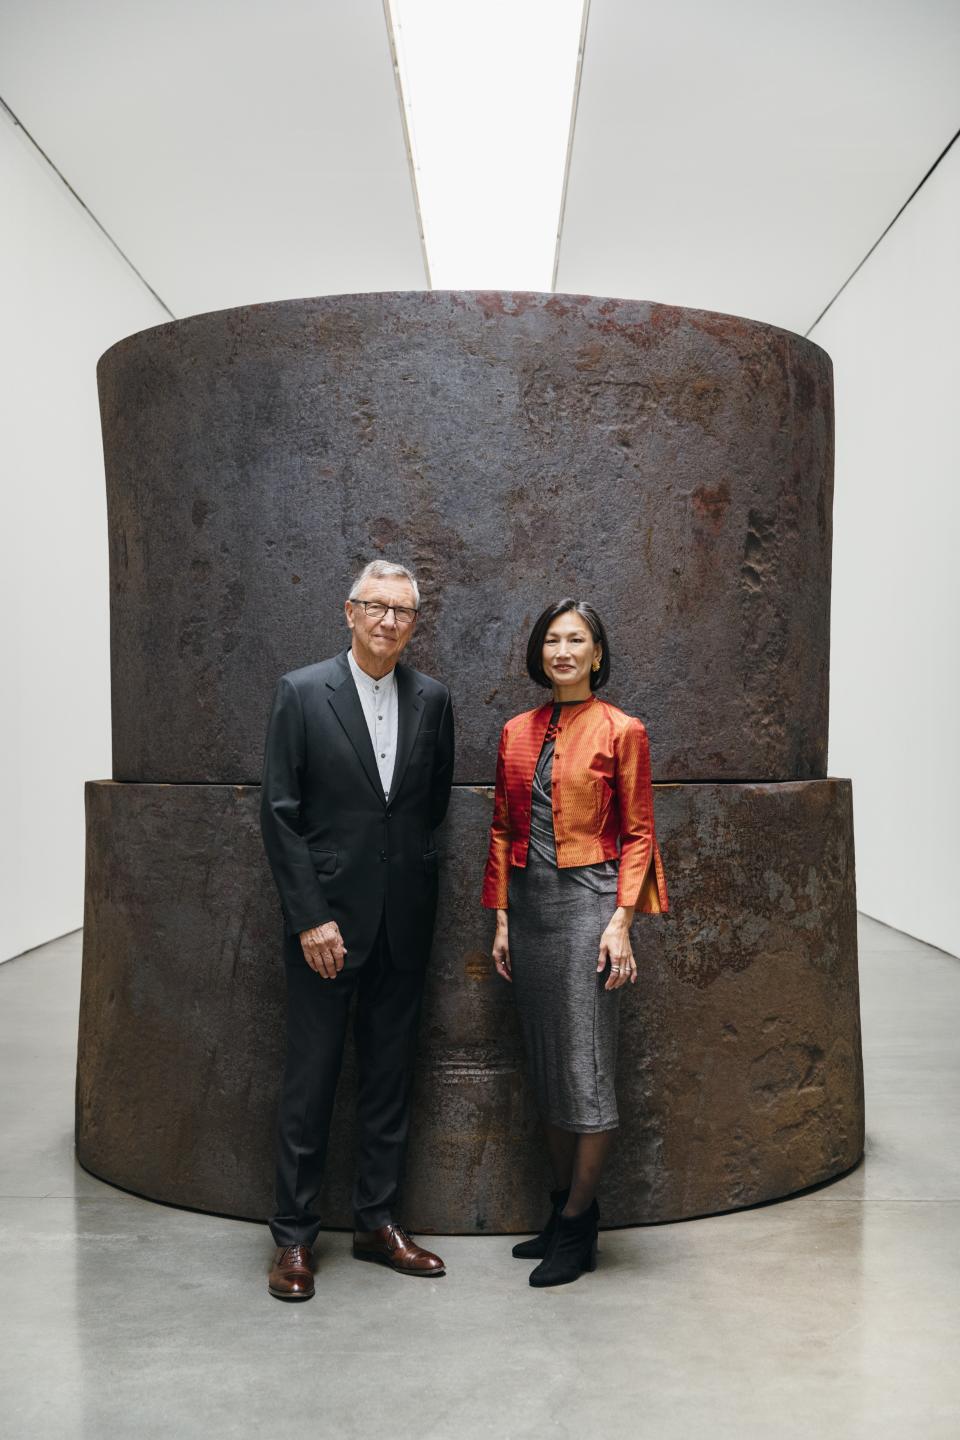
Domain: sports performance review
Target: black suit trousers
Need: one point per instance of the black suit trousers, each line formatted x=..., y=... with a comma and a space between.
x=385, y=1032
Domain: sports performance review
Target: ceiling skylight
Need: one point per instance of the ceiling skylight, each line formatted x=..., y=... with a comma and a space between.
x=488, y=90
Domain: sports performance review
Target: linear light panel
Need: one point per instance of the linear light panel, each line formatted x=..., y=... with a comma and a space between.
x=488, y=90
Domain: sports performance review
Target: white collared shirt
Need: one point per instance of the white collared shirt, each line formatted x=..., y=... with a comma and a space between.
x=379, y=701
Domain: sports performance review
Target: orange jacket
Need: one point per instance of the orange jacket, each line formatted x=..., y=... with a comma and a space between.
x=602, y=800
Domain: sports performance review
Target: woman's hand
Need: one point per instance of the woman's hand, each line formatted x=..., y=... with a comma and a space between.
x=616, y=949
x=501, y=947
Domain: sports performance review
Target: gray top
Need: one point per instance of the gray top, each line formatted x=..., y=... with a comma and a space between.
x=600, y=877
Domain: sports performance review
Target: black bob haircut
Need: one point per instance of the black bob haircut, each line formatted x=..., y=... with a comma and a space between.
x=539, y=633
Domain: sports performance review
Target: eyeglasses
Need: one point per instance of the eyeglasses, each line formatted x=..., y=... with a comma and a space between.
x=376, y=610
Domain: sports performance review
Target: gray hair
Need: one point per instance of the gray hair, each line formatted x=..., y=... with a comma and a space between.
x=380, y=570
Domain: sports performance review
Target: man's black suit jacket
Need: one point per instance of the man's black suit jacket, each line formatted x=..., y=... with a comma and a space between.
x=337, y=849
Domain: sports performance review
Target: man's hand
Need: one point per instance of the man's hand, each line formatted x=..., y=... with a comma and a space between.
x=501, y=947
x=323, y=949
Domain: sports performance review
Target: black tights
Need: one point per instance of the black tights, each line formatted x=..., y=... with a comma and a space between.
x=578, y=1160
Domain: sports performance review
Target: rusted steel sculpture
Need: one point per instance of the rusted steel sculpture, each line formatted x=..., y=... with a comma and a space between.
x=675, y=466
x=672, y=466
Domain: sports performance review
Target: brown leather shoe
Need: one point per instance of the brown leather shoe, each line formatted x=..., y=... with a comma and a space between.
x=292, y=1275
x=391, y=1245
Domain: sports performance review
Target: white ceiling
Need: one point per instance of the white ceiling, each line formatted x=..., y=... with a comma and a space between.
x=744, y=156
x=740, y=157
x=235, y=152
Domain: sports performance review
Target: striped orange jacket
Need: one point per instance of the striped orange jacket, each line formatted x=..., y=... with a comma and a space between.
x=602, y=800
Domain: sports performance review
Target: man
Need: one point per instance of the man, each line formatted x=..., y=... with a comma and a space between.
x=357, y=774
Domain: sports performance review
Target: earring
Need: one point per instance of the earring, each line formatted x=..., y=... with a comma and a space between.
x=596, y=665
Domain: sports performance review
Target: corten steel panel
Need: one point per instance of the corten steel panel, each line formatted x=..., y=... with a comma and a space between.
x=673, y=466
x=740, y=1075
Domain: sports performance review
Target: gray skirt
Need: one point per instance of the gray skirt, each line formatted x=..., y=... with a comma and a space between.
x=568, y=1020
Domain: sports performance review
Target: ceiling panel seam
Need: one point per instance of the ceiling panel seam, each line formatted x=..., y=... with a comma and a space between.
x=573, y=125
x=84, y=206
x=915, y=191
x=407, y=138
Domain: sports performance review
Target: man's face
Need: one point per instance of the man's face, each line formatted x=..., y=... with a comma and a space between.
x=378, y=640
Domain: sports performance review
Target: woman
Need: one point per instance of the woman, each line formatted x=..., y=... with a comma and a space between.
x=573, y=855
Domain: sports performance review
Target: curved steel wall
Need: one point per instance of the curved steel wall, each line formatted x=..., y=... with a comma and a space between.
x=739, y=1075
x=672, y=466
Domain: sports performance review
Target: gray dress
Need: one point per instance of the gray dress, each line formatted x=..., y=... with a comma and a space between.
x=569, y=1021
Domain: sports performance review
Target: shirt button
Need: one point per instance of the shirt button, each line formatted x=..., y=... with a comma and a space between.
x=382, y=755
x=379, y=717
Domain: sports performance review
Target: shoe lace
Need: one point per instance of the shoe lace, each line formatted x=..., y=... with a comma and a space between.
x=296, y=1254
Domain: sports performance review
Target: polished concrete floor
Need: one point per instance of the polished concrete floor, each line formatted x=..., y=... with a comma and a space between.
x=832, y=1314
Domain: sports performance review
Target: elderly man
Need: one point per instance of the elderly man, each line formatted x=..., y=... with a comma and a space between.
x=357, y=774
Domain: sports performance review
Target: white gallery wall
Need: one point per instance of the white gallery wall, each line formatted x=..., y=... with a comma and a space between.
x=744, y=156
x=895, y=631
x=237, y=153
x=66, y=296
x=265, y=157
x=234, y=157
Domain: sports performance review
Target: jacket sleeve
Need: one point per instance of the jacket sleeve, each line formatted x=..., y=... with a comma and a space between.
x=496, y=877
x=301, y=897
x=635, y=799
x=442, y=766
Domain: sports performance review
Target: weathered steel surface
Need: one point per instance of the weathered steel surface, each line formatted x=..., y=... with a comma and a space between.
x=673, y=466
x=740, y=1076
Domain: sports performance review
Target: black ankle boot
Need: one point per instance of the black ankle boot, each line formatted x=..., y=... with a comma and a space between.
x=536, y=1248
x=572, y=1249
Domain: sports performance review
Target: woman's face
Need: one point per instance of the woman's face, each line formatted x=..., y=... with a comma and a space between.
x=569, y=651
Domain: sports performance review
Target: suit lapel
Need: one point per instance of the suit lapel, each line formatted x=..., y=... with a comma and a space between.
x=409, y=718
x=345, y=703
